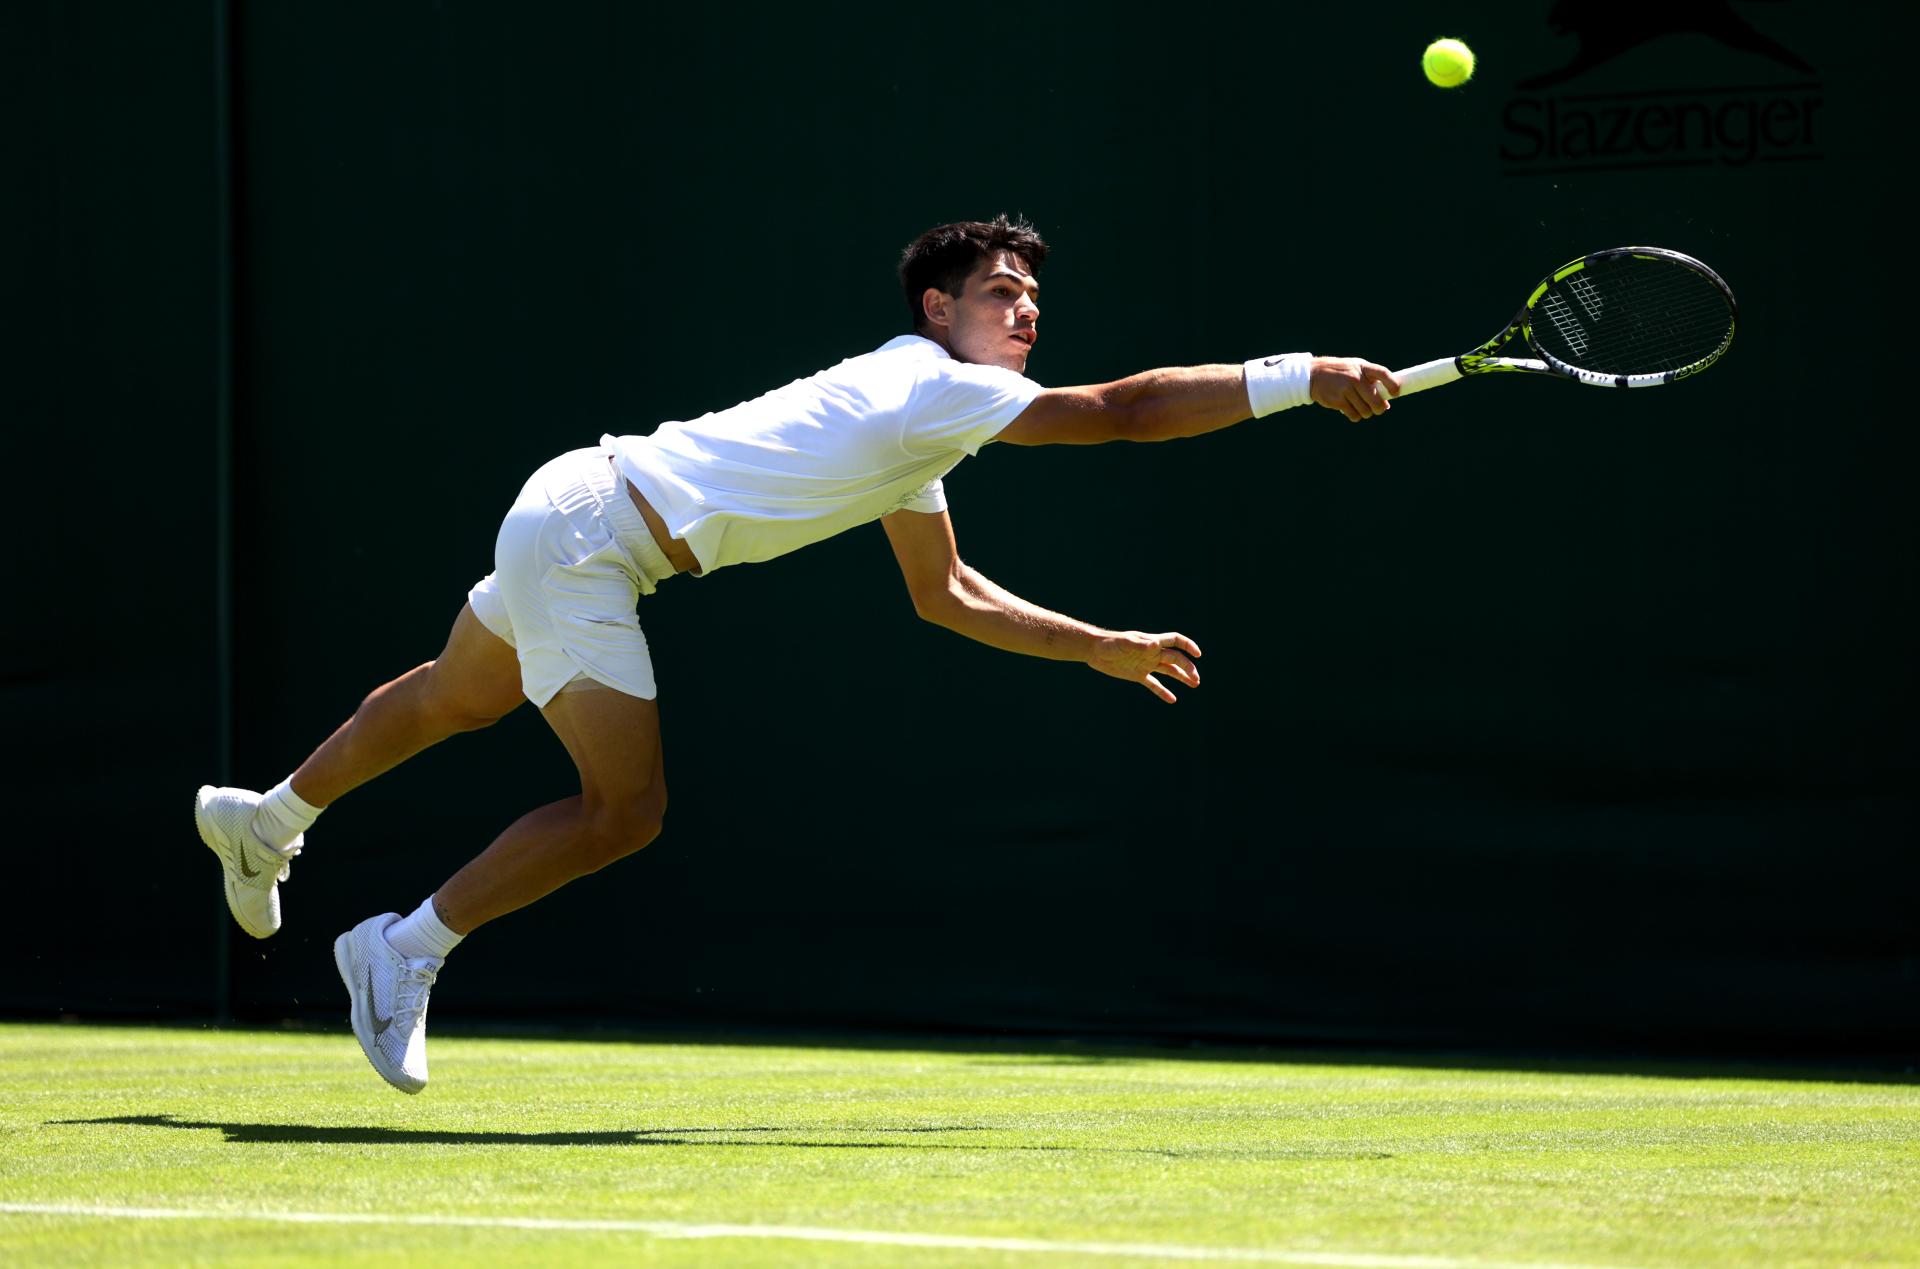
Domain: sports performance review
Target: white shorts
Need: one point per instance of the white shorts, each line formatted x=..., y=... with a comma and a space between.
x=571, y=562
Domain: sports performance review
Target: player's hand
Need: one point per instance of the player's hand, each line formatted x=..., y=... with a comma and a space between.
x=1137, y=657
x=1347, y=384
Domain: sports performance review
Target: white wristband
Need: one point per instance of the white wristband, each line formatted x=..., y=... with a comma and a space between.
x=1279, y=383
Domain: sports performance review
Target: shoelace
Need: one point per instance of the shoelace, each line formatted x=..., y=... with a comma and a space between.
x=410, y=989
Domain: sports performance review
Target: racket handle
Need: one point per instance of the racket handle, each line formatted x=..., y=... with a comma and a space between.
x=1428, y=374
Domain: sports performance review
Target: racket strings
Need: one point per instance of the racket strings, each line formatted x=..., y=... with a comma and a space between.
x=1634, y=317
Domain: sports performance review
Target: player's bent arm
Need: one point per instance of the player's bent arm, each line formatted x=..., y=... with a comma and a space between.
x=948, y=592
x=1163, y=405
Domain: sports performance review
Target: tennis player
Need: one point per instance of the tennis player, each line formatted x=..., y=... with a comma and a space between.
x=555, y=623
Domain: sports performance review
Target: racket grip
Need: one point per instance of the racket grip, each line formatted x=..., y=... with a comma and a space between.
x=1428, y=374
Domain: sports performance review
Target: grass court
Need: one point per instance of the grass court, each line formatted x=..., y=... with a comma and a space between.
x=138, y=1145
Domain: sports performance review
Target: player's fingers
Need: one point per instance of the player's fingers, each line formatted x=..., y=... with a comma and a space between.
x=1174, y=639
x=1181, y=668
x=1333, y=395
x=1379, y=380
x=1158, y=688
x=1359, y=398
x=1376, y=394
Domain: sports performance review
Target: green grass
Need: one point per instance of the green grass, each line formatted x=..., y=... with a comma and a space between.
x=1075, y=1144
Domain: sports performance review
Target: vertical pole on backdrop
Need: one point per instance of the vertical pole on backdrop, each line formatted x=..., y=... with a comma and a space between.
x=223, y=453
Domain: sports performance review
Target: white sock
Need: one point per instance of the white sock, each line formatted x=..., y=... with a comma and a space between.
x=422, y=934
x=283, y=816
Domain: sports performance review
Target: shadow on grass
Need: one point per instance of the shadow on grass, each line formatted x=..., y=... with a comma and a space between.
x=1013, y=1050
x=329, y=1135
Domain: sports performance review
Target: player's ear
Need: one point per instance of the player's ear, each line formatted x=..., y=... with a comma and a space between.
x=937, y=306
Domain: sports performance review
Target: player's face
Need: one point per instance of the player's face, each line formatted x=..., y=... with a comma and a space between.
x=994, y=321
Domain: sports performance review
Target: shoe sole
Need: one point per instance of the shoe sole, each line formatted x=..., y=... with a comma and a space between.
x=205, y=826
x=359, y=1014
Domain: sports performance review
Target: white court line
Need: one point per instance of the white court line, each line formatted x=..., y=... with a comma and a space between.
x=802, y=1233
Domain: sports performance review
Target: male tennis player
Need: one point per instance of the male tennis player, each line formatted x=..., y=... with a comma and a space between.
x=595, y=529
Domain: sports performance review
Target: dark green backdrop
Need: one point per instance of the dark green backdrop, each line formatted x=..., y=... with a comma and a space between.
x=1533, y=715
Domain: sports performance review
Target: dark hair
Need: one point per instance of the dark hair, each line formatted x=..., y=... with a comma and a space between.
x=943, y=256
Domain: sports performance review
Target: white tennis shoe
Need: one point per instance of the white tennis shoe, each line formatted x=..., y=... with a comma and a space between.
x=254, y=870
x=388, y=1001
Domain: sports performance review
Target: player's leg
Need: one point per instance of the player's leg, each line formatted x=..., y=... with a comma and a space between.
x=572, y=569
x=472, y=683
x=614, y=740
x=390, y=963
x=573, y=557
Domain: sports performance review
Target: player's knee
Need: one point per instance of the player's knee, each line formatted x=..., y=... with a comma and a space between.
x=617, y=827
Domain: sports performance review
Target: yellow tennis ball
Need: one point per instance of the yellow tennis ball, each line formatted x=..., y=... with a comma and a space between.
x=1448, y=63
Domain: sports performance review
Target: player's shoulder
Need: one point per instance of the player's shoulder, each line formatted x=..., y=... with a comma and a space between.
x=900, y=357
x=903, y=365
x=920, y=355
x=916, y=373
x=901, y=354
x=933, y=364
x=880, y=382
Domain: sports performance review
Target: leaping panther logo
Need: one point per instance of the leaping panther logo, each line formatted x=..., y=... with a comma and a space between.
x=1608, y=28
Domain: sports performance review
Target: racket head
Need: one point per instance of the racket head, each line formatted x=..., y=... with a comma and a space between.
x=1631, y=317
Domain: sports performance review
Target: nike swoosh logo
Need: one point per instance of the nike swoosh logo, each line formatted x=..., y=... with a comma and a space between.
x=379, y=1024
x=1274, y=361
x=245, y=869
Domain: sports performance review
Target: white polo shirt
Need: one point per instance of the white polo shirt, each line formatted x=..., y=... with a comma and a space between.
x=869, y=436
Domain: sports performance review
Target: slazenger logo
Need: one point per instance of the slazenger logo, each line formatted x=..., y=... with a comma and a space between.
x=1693, y=126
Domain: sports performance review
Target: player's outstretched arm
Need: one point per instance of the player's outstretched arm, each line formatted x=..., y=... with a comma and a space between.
x=1162, y=405
x=948, y=592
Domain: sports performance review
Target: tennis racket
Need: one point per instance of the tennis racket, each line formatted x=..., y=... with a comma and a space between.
x=1631, y=317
